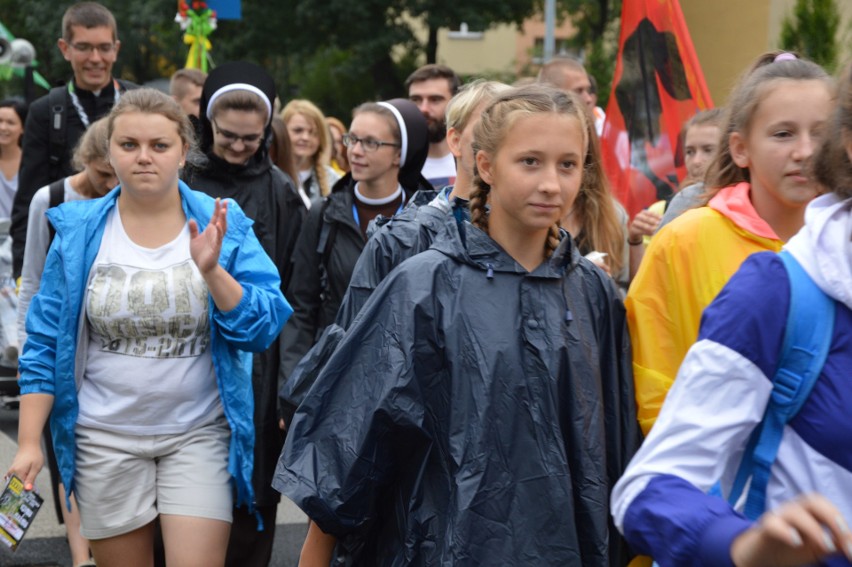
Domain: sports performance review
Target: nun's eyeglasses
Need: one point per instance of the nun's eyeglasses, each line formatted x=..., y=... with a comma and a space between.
x=369, y=144
x=231, y=138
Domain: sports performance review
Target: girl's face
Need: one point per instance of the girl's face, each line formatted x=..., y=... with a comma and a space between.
x=11, y=127
x=785, y=131
x=146, y=152
x=700, y=144
x=304, y=137
x=237, y=134
x=536, y=173
x=101, y=177
x=371, y=166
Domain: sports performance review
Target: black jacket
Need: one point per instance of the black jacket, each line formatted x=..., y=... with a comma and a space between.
x=428, y=216
x=474, y=414
x=268, y=197
x=36, y=171
x=320, y=278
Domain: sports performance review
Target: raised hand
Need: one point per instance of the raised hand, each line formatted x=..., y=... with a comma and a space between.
x=206, y=246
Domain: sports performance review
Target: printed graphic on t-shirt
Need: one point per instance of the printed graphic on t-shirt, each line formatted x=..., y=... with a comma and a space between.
x=149, y=313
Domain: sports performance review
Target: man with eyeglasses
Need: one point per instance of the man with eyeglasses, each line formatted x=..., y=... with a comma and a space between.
x=57, y=121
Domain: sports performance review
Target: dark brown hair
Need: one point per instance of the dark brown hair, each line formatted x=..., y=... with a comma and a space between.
x=88, y=15
x=435, y=71
x=243, y=100
x=21, y=109
x=281, y=150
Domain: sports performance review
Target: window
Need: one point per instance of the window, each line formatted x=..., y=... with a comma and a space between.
x=464, y=33
x=560, y=49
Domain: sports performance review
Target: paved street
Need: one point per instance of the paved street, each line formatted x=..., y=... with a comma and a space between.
x=44, y=544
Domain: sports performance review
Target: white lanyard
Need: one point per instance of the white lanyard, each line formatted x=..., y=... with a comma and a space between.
x=75, y=100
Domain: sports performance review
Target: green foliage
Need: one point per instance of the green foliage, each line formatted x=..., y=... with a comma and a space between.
x=812, y=31
x=591, y=18
x=338, y=53
x=597, y=23
x=151, y=45
x=600, y=63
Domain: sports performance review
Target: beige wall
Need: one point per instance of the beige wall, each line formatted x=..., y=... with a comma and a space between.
x=534, y=28
x=501, y=48
x=495, y=51
x=729, y=34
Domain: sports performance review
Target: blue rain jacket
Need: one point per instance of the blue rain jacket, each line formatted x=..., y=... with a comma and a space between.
x=53, y=364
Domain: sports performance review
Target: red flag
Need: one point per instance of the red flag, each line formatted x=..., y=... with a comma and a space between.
x=658, y=85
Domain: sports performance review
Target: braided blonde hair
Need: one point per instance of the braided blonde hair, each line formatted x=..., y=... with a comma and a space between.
x=496, y=122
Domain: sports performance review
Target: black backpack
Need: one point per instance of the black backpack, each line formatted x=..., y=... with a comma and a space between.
x=57, y=197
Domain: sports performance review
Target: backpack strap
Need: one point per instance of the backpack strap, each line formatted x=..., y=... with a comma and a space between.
x=58, y=131
x=325, y=242
x=57, y=197
x=807, y=339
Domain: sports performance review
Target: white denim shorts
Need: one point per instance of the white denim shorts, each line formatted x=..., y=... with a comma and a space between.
x=123, y=482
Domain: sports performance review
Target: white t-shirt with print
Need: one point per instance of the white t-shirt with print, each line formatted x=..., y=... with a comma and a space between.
x=149, y=369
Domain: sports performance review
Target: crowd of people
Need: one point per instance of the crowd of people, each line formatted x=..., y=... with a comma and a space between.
x=433, y=328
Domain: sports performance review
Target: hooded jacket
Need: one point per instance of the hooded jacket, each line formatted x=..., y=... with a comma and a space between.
x=53, y=362
x=684, y=268
x=474, y=414
x=720, y=395
x=268, y=196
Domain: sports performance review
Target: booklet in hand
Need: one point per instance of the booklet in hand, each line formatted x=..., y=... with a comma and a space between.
x=18, y=508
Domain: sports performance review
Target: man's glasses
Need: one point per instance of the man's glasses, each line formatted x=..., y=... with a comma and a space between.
x=369, y=144
x=88, y=48
x=231, y=138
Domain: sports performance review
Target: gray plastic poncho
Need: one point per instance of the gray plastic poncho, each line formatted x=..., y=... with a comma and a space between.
x=474, y=414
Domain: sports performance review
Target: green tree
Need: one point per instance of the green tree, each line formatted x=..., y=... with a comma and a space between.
x=596, y=22
x=812, y=31
x=478, y=14
x=151, y=43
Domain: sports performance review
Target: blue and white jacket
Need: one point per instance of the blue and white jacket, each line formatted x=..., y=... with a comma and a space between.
x=661, y=503
x=53, y=364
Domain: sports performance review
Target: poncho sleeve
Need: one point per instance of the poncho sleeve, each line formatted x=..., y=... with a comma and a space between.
x=365, y=412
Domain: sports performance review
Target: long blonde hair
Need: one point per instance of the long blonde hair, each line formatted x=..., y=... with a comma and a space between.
x=322, y=158
x=596, y=208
